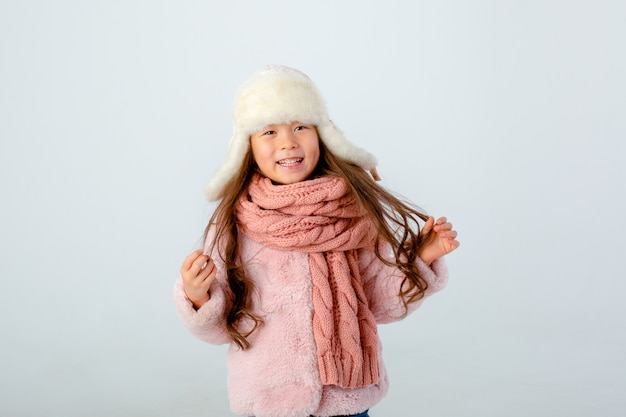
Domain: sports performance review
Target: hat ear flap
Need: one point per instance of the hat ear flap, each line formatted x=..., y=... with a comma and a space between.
x=237, y=148
x=335, y=140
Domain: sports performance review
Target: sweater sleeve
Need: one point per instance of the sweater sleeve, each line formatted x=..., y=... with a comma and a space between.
x=381, y=284
x=208, y=323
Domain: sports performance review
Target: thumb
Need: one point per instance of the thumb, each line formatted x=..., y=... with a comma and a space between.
x=428, y=226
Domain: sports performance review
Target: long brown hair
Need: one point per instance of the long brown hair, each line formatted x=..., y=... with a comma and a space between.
x=397, y=222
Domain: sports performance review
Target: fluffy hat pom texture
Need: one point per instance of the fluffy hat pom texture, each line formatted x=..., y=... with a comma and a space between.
x=276, y=95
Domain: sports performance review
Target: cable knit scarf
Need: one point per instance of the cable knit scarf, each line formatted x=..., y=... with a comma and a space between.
x=320, y=218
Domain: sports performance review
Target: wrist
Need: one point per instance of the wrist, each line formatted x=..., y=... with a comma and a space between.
x=198, y=302
x=427, y=261
x=424, y=257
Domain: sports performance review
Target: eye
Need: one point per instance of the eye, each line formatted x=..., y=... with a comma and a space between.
x=301, y=127
x=269, y=132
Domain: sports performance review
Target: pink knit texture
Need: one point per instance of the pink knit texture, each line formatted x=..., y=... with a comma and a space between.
x=320, y=218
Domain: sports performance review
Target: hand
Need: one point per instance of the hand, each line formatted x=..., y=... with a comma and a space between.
x=440, y=239
x=198, y=272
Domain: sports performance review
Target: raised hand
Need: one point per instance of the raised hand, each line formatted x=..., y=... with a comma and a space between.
x=440, y=239
x=198, y=272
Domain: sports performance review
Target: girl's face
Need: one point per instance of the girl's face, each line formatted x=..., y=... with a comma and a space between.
x=286, y=153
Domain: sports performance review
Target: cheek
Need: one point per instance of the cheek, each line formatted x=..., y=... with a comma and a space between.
x=316, y=157
x=314, y=151
x=259, y=152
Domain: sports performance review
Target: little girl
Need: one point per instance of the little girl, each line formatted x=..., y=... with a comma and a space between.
x=304, y=255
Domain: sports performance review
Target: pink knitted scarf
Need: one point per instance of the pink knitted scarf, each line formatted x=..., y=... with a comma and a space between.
x=320, y=218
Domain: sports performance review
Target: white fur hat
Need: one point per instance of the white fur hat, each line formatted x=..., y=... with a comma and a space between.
x=276, y=95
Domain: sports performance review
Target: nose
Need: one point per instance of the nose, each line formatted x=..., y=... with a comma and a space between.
x=288, y=140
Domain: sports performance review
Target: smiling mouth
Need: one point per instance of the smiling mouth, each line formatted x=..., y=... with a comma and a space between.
x=289, y=162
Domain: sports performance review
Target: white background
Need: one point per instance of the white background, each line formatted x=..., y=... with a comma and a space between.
x=506, y=116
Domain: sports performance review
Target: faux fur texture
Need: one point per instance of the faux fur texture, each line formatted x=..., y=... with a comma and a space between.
x=278, y=375
x=275, y=95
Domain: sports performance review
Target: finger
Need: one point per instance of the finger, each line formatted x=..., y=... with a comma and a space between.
x=200, y=263
x=449, y=235
x=207, y=271
x=428, y=226
x=189, y=260
x=442, y=227
x=441, y=220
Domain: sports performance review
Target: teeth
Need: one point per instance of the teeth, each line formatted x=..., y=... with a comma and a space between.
x=289, y=162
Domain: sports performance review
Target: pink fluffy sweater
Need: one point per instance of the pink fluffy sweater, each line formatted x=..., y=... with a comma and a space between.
x=278, y=375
